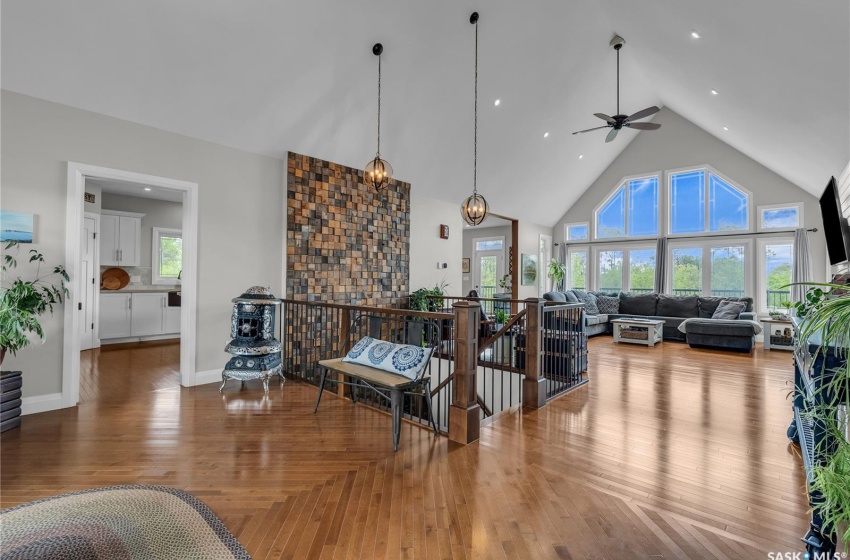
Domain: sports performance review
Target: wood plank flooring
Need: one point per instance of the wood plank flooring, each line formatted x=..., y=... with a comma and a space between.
x=668, y=452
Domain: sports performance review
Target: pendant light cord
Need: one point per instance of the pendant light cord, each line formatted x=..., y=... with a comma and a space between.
x=378, y=154
x=618, y=86
x=475, y=148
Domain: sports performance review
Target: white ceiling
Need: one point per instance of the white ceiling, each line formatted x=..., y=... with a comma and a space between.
x=269, y=76
x=127, y=188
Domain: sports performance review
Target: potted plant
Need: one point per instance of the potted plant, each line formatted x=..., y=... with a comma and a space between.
x=505, y=283
x=557, y=272
x=23, y=301
x=500, y=318
x=826, y=312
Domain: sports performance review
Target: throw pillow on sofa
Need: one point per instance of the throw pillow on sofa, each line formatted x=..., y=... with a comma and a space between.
x=708, y=304
x=729, y=310
x=608, y=305
x=589, y=301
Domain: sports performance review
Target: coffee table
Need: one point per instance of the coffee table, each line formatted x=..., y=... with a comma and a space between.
x=637, y=331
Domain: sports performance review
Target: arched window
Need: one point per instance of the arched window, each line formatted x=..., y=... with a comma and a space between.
x=631, y=210
x=701, y=201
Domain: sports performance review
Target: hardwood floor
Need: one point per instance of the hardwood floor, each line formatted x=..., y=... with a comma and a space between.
x=123, y=371
x=668, y=452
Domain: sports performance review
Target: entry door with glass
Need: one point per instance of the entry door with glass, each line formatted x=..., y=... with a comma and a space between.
x=488, y=265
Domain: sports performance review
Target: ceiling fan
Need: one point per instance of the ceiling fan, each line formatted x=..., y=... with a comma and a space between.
x=619, y=121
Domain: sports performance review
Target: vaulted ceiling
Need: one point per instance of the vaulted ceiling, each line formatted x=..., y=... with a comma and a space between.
x=270, y=76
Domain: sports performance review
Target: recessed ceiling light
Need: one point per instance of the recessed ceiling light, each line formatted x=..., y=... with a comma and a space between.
x=725, y=128
x=147, y=188
x=545, y=135
x=714, y=92
x=695, y=35
x=580, y=156
x=497, y=102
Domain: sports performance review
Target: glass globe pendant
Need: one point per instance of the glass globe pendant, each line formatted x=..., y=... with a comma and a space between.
x=474, y=209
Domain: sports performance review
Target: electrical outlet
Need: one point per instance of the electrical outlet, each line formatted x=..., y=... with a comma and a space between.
x=135, y=279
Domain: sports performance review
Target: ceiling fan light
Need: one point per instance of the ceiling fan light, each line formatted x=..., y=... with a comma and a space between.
x=474, y=209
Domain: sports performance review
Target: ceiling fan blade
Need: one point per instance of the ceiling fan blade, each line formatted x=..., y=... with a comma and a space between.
x=612, y=135
x=589, y=129
x=604, y=117
x=643, y=114
x=643, y=125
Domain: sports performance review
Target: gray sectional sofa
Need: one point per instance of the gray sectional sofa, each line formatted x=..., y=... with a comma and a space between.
x=702, y=331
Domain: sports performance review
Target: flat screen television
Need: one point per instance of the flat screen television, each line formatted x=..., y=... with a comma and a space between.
x=835, y=225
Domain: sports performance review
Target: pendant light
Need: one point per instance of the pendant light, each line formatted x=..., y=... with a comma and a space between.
x=378, y=171
x=474, y=209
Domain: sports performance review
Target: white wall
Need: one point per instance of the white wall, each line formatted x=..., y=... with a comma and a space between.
x=241, y=198
x=426, y=247
x=680, y=143
x=529, y=243
x=157, y=213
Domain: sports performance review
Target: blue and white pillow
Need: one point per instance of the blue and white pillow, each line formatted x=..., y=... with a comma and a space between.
x=401, y=359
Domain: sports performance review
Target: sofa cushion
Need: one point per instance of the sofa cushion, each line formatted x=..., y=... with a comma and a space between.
x=555, y=296
x=729, y=310
x=591, y=320
x=571, y=297
x=638, y=304
x=589, y=301
x=608, y=304
x=707, y=305
x=677, y=306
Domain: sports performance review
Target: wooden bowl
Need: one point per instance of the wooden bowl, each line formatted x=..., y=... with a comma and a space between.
x=114, y=278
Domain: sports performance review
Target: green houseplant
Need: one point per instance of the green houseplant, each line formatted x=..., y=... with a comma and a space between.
x=828, y=314
x=428, y=299
x=557, y=272
x=23, y=301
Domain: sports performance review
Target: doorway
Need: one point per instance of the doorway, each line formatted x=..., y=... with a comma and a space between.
x=79, y=288
x=89, y=249
x=488, y=265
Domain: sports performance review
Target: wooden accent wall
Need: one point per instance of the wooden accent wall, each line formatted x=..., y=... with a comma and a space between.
x=345, y=242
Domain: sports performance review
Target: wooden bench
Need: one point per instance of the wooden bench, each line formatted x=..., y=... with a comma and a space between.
x=379, y=380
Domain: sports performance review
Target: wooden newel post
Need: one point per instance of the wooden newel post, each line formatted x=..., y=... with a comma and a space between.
x=534, y=384
x=464, y=413
x=344, y=345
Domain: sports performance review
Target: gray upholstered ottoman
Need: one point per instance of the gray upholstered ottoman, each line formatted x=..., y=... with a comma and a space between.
x=720, y=333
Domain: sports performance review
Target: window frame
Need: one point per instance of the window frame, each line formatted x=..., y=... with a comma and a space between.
x=157, y=233
x=668, y=192
x=761, y=300
x=760, y=216
x=706, y=245
x=626, y=249
x=588, y=274
x=623, y=184
x=568, y=225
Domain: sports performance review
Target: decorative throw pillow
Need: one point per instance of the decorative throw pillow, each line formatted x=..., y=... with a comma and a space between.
x=608, y=305
x=729, y=310
x=589, y=301
x=401, y=359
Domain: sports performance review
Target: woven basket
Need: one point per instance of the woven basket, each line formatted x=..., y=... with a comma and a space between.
x=635, y=335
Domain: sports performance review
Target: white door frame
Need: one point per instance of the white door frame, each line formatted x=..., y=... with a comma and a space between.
x=96, y=267
x=476, y=271
x=77, y=175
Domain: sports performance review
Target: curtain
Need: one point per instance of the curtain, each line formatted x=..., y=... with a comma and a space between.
x=562, y=258
x=802, y=269
x=661, y=265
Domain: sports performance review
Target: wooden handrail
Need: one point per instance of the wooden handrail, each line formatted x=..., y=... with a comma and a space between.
x=489, y=342
x=367, y=309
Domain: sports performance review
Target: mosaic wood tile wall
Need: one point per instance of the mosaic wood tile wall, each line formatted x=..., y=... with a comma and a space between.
x=345, y=242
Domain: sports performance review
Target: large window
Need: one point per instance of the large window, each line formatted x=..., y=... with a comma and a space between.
x=630, y=211
x=167, y=256
x=610, y=271
x=711, y=269
x=642, y=270
x=701, y=201
x=629, y=269
x=577, y=268
x=776, y=256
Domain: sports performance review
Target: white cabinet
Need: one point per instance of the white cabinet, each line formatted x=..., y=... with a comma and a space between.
x=120, y=238
x=114, y=316
x=139, y=314
x=148, y=317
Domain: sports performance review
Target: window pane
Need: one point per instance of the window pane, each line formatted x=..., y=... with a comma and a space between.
x=487, y=274
x=727, y=206
x=778, y=261
x=727, y=271
x=610, y=271
x=611, y=218
x=780, y=218
x=577, y=232
x=490, y=245
x=643, y=207
x=642, y=270
x=687, y=202
x=687, y=271
x=578, y=270
x=170, y=256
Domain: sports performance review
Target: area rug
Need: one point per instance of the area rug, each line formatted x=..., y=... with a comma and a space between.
x=117, y=523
